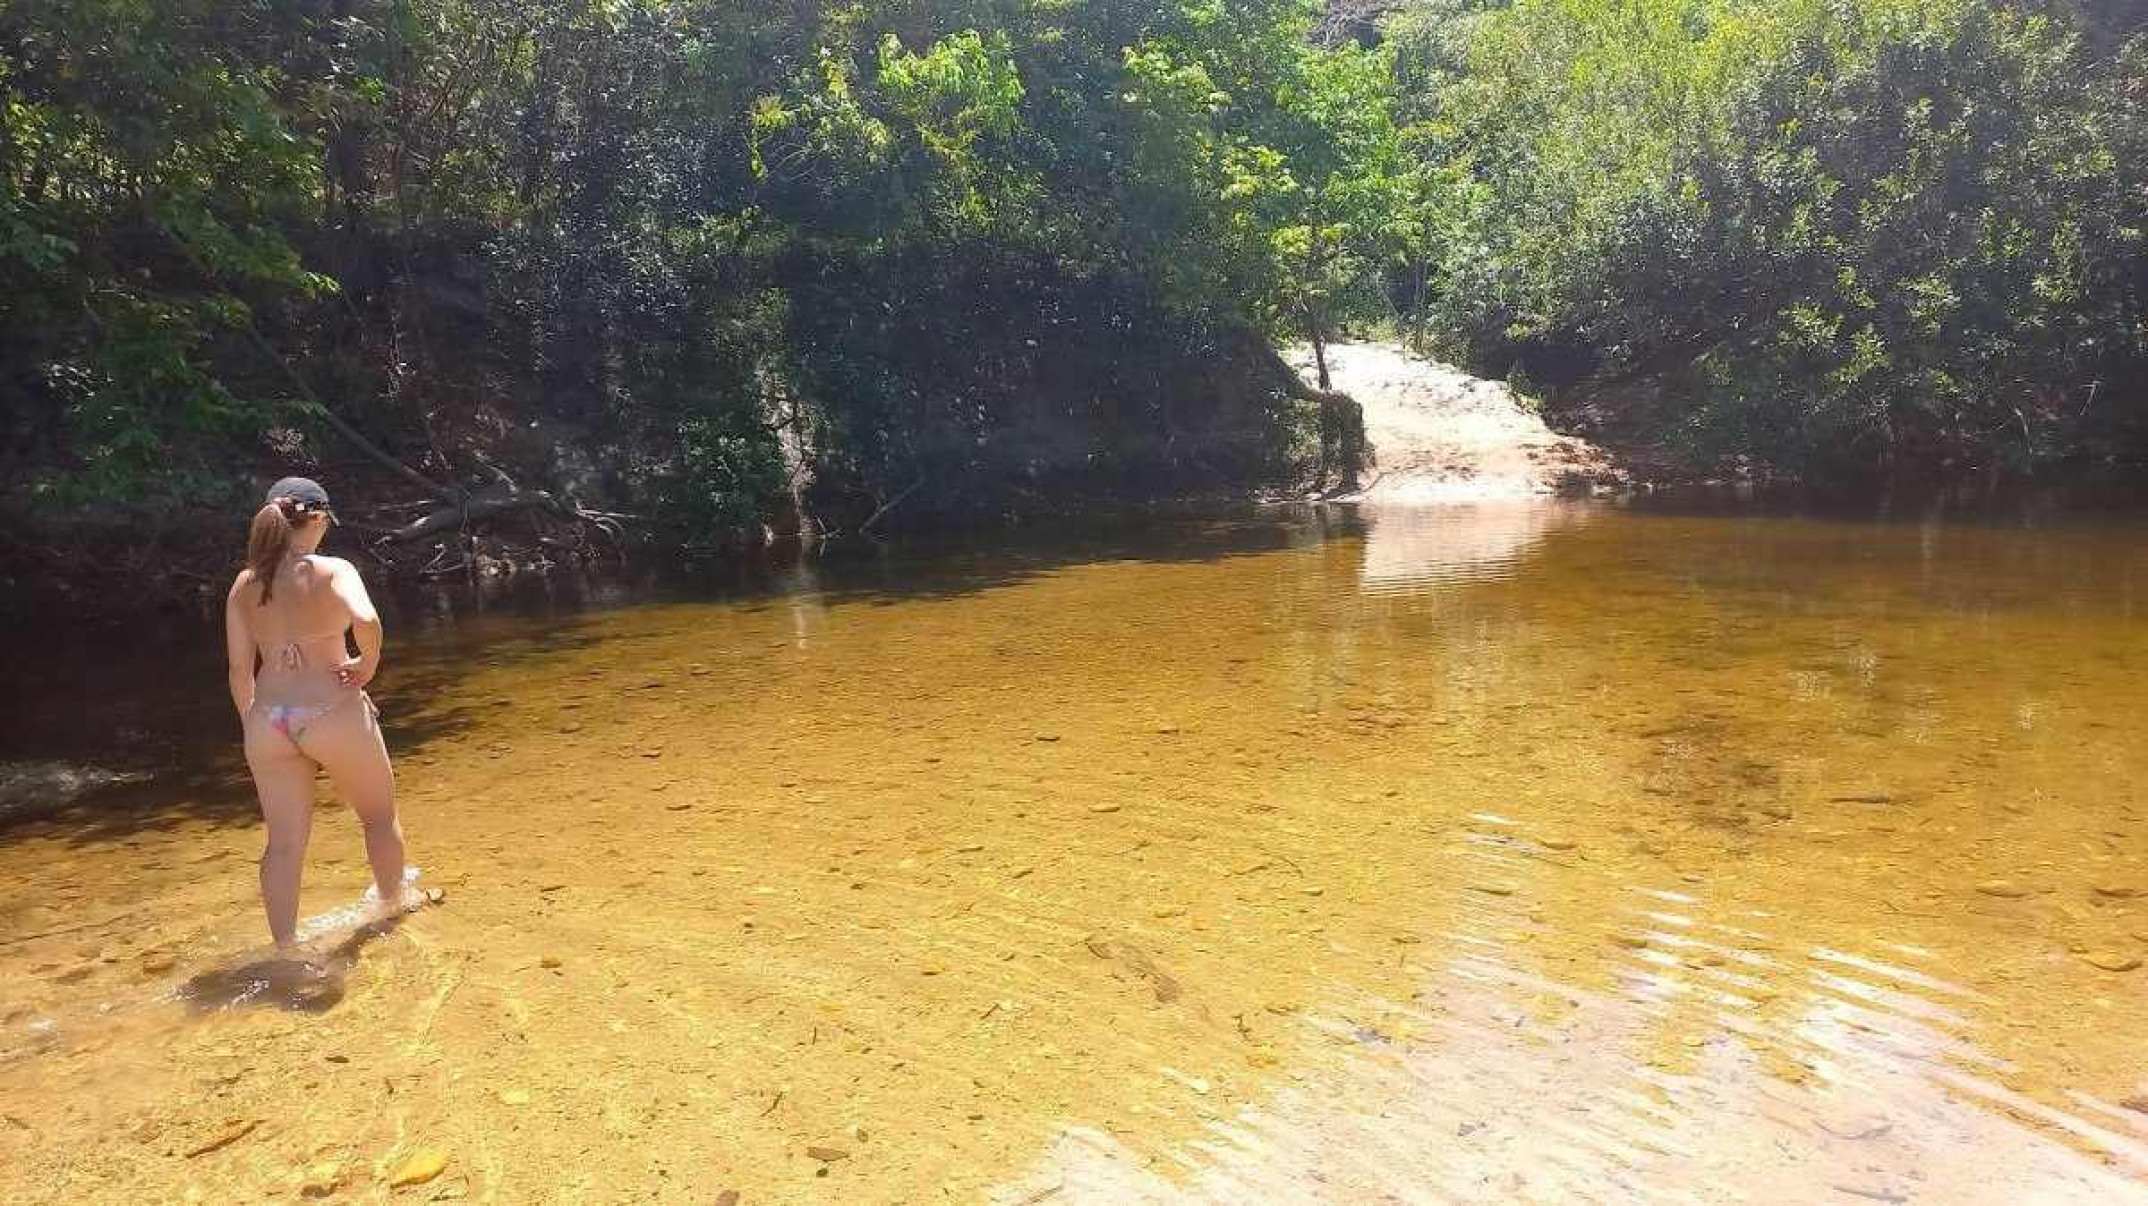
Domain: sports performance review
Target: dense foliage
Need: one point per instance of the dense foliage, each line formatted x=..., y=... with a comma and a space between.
x=683, y=255
x=715, y=262
x=1837, y=237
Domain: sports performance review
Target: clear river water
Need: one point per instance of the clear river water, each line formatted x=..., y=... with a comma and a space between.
x=1516, y=852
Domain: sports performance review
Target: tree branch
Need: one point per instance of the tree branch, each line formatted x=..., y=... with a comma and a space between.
x=888, y=506
x=455, y=517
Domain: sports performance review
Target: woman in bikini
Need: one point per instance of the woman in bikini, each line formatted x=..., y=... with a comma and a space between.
x=302, y=700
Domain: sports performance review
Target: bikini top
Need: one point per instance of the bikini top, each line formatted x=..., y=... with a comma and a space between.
x=291, y=655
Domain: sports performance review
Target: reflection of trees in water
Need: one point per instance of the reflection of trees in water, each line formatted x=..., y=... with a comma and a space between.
x=1409, y=548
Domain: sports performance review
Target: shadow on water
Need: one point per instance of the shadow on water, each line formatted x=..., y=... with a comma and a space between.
x=164, y=747
x=283, y=982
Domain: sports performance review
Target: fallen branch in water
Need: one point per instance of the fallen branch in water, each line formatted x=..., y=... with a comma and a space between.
x=484, y=506
x=457, y=516
x=443, y=571
x=888, y=506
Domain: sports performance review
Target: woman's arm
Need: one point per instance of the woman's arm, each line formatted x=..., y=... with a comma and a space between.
x=365, y=623
x=238, y=646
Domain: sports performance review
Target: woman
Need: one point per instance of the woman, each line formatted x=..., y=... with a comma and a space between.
x=306, y=709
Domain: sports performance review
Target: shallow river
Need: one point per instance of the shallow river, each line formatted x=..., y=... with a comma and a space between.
x=1542, y=853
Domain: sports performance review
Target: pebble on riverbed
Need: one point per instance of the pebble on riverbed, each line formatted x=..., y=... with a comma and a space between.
x=418, y=1168
x=2005, y=889
x=322, y=1180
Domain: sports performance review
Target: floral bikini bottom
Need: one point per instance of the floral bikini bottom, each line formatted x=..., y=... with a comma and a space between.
x=292, y=720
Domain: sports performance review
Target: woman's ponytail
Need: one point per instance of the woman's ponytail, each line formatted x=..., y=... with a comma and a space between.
x=266, y=543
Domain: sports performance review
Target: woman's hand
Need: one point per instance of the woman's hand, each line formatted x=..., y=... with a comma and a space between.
x=357, y=672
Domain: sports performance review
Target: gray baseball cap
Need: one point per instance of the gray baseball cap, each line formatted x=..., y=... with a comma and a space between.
x=302, y=490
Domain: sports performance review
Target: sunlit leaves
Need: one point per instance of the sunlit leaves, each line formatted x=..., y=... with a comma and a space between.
x=1836, y=236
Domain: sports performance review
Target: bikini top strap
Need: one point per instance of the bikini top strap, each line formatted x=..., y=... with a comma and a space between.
x=291, y=654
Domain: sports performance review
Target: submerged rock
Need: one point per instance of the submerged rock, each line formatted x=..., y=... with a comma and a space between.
x=323, y=1179
x=419, y=1167
x=2112, y=961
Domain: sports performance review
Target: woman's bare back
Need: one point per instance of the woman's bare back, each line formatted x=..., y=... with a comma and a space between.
x=298, y=632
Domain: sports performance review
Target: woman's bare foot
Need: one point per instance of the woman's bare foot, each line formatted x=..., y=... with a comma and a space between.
x=408, y=899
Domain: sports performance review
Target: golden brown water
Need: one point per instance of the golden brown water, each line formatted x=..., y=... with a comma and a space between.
x=1505, y=853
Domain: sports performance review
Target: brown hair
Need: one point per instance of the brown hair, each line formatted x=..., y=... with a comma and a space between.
x=267, y=541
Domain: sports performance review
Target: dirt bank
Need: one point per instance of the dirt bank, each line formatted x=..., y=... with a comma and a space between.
x=1441, y=435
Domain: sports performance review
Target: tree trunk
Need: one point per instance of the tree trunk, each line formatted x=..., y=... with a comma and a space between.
x=1316, y=270
x=1417, y=307
x=346, y=153
x=1342, y=420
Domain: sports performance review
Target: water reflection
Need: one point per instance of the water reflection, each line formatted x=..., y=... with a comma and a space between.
x=1513, y=853
x=1410, y=549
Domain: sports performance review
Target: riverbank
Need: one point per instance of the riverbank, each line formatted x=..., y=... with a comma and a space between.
x=1437, y=435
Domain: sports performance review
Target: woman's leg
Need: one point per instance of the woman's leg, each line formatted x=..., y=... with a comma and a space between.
x=347, y=743
x=283, y=778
